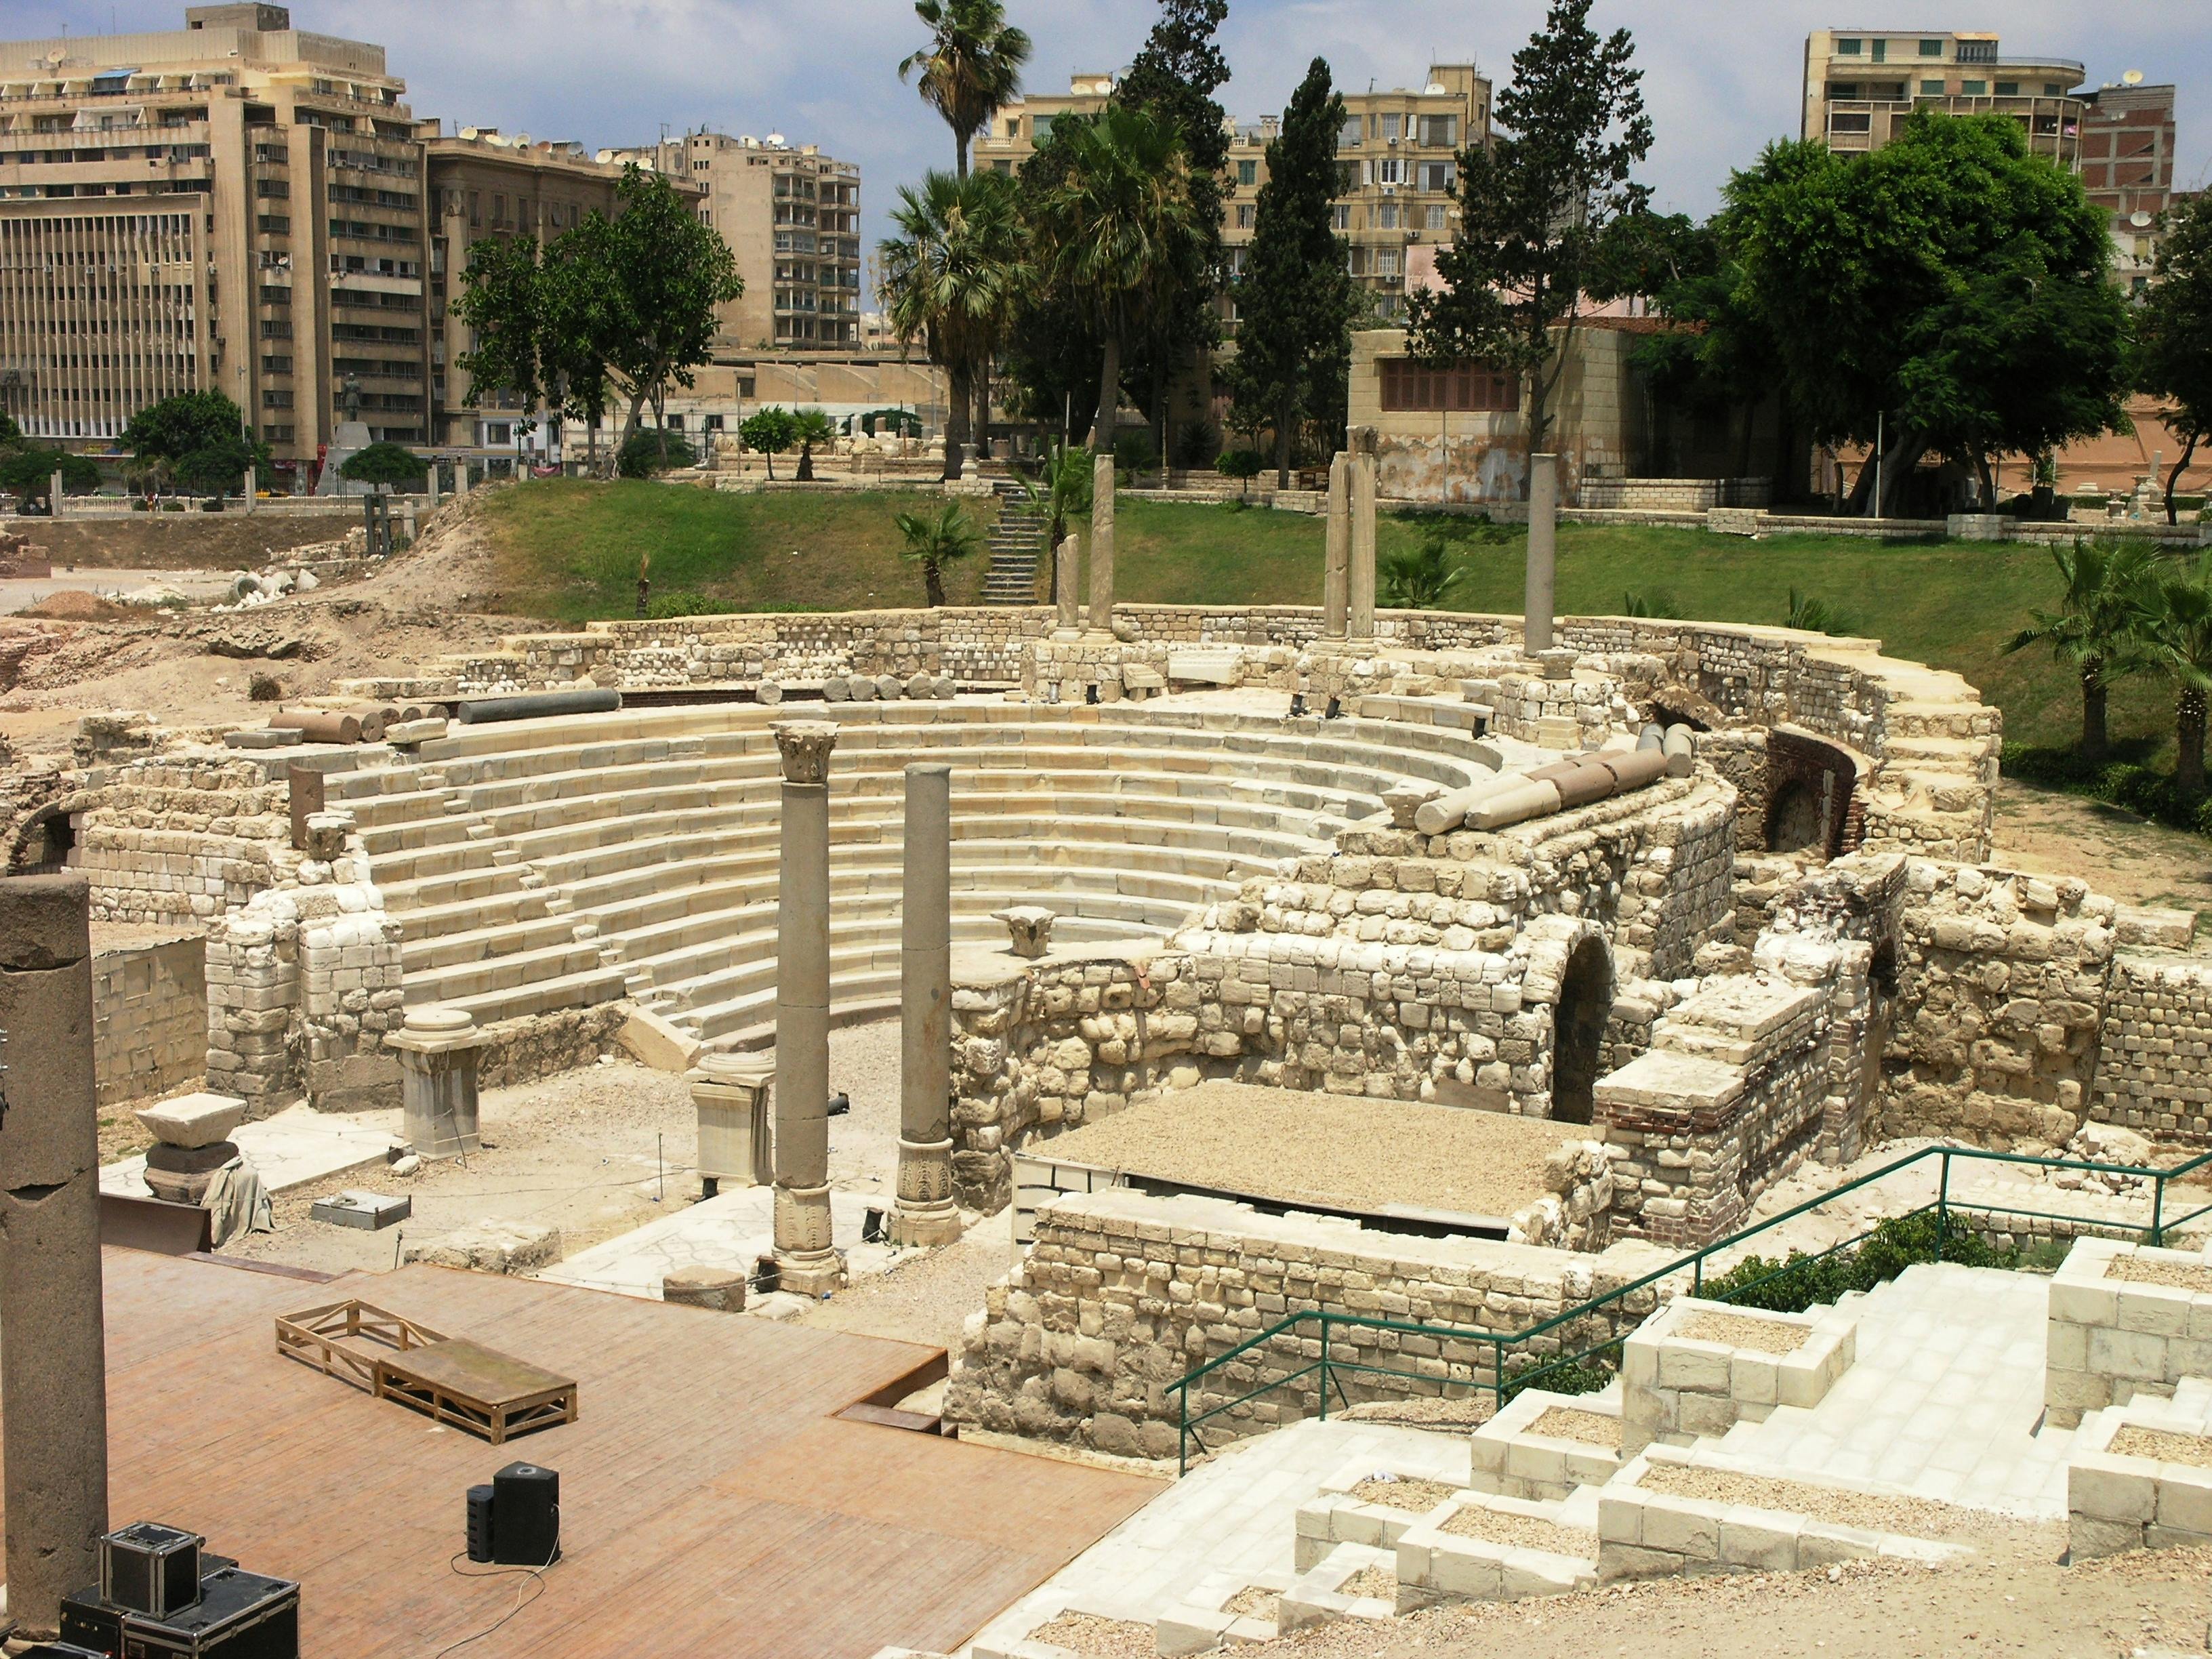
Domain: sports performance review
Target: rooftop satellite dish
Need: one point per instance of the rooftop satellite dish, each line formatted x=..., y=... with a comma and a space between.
x=1433, y=89
x=2133, y=77
x=55, y=56
x=775, y=139
x=2139, y=220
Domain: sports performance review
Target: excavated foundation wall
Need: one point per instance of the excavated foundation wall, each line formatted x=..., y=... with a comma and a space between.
x=149, y=1018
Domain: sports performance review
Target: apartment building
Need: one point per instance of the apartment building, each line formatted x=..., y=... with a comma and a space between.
x=2127, y=167
x=792, y=217
x=1860, y=85
x=237, y=205
x=484, y=184
x=1397, y=168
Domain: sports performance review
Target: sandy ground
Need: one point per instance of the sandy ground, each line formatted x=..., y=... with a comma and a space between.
x=19, y=593
x=2043, y=832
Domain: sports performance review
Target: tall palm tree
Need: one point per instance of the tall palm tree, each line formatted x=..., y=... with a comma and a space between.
x=951, y=278
x=2178, y=641
x=1112, y=230
x=932, y=543
x=2111, y=593
x=972, y=65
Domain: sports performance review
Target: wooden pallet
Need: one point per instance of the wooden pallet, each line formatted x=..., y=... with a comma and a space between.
x=449, y=1379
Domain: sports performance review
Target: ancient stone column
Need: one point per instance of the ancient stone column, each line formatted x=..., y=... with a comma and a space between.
x=54, y=1363
x=54, y=500
x=252, y=489
x=1360, y=592
x=1543, y=527
x=805, y=1252
x=1102, y=542
x=1336, y=576
x=925, y=1213
x=437, y=1048
x=1067, y=560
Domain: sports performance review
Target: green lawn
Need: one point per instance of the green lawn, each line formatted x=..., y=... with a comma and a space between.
x=570, y=550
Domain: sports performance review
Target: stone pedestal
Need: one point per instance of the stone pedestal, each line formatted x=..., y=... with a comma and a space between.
x=805, y=1251
x=718, y=1289
x=925, y=1213
x=1539, y=607
x=347, y=441
x=1336, y=576
x=1359, y=620
x=437, y=1052
x=53, y=1362
x=1102, y=542
x=731, y=1094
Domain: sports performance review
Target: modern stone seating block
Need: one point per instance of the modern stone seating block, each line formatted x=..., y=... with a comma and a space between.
x=193, y=1120
x=1438, y=1563
x=1512, y=1456
x=2140, y=1475
x=1698, y=1368
x=1340, y=1516
x=1318, y=1595
x=1210, y=1617
x=2126, y=1321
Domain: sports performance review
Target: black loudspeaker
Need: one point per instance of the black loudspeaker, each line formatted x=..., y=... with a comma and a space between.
x=525, y=1516
x=150, y=1569
x=480, y=1509
x=89, y=1622
x=239, y=1615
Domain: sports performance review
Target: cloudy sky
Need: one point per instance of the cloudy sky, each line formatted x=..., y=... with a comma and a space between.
x=1722, y=77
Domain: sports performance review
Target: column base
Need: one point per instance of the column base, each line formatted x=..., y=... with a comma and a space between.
x=925, y=1226
x=811, y=1273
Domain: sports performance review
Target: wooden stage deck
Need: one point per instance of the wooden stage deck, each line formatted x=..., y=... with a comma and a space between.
x=713, y=1502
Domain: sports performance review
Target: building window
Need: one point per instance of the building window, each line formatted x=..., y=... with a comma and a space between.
x=1386, y=262
x=1389, y=127
x=1974, y=88
x=1348, y=136
x=1389, y=170
x=1440, y=131
x=2053, y=89
x=1245, y=214
x=1931, y=88
x=1437, y=175
x=1407, y=387
x=1386, y=216
x=475, y=209
x=1931, y=48
x=1340, y=218
x=1849, y=121
x=711, y=424
x=1002, y=166
x=2008, y=89
x=1041, y=128
x=1435, y=218
x=1850, y=48
x=1880, y=53
x=1248, y=172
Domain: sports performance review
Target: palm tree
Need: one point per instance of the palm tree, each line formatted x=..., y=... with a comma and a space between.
x=950, y=280
x=2178, y=641
x=935, y=543
x=813, y=428
x=1111, y=230
x=2111, y=593
x=972, y=65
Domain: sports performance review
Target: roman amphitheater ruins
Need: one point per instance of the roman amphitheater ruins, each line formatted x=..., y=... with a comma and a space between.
x=1344, y=1011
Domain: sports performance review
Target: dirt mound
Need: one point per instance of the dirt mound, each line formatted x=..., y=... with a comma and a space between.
x=75, y=604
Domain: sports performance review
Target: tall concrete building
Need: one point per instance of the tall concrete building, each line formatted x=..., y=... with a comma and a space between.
x=792, y=217
x=2127, y=167
x=1859, y=86
x=236, y=205
x=1397, y=167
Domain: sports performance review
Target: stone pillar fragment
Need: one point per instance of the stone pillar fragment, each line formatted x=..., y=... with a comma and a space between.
x=804, y=1250
x=53, y=1363
x=1336, y=576
x=1360, y=606
x=1543, y=528
x=437, y=1049
x=925, y=1213
x=1102, y=542
x=1067, y=563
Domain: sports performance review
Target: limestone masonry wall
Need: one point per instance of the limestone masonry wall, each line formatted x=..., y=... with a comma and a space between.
x=2154, y=1052
x=149, y=1018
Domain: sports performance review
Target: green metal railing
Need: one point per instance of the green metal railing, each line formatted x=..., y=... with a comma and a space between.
x=1477, y=1361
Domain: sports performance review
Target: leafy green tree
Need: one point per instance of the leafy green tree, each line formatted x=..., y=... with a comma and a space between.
x=972, y=65
x=2108, y=600
x=386, y=465
x=934, y=541
x=770, y=432
x=205, y=424
x=1064, y=492
x=1534, y=208
x=813, y=428
x=10, y=434
x=950, y=280
x=1946, y=292
x=1174, y=78
x=650, y=452
x=27, y=472
x=1421, y=578
x=1114, y=232
x=2176, y=642
x=2174, y=332
x=1242, y=464
x=1296, y=300
x=502, y=302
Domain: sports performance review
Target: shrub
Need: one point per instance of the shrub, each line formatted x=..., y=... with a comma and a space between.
x=1195, y=444
x=1135, y=452
x=643, y=455
x=1242, y=464
x=686, y=605
x=265, y=688
x=1421, y=580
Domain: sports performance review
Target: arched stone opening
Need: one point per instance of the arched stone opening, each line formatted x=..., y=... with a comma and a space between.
x=1796, y=818
x=45, y=842
x=1579, y=1031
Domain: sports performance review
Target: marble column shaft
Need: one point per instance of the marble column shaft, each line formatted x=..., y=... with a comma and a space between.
x=925, y=1213
x=804, y=1245
x=1102, y=542
x=1336, y=576
x=1360, y=606
x=53, y=1364
x=1067, y=566
x=1539, y=606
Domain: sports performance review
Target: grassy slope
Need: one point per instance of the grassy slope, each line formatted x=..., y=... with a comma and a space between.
x=570, y=550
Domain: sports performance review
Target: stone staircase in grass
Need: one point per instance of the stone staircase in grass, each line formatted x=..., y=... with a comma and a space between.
x=557, y=864
x=1016, y=546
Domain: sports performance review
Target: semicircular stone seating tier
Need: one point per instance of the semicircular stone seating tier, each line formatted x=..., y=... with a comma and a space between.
x=556, y=864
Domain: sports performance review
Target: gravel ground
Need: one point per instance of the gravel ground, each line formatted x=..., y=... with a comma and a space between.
x=2178, y=1275
x=1253, y=1601
x=2162, y=1446
x=925, y=1296
x=1587, y=1428
x=1098, y=1638
x=1417, y=1496
x=1754, y=1335
x=1522, y=1532
x=2017, y=1600
x=1379, y=1583
x=1916, y=1517
x=1341, y=1150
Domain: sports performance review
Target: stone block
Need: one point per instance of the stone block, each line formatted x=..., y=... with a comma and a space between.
x=197, y=1120
x=495, y=1247
x=372, y=1212
x=1760, y=1540
x=2086, y=1537
x=1676, y=1526
x=2133, y=1355
x=657, y=1044
x=2185, y=1501
x=2107, y=1488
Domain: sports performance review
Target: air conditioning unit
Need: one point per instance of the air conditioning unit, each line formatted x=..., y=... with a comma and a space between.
x=1389, y=190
